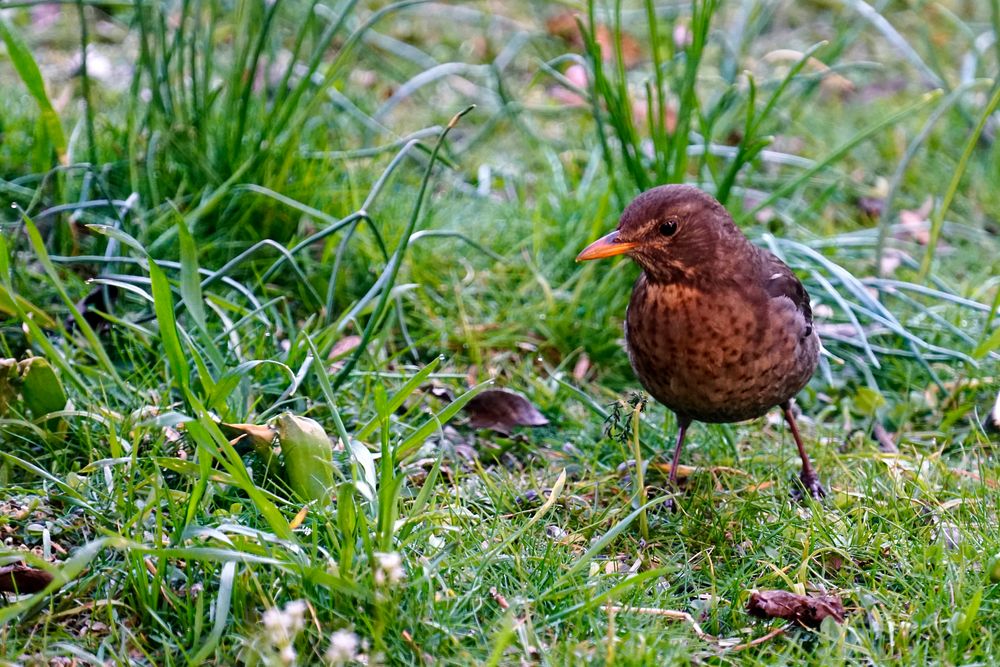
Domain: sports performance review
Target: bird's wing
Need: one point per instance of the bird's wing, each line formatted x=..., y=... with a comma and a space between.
x=779, y=281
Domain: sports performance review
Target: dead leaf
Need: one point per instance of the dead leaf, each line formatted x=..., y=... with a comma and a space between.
x=832, y=82
x=499, y=598
x=501, y=410
x=299, y=518
x=915, y=225
x=564, y=26
x=101, y=298
x=23, y=579
x=259, y=437
x=439, y=392
x=872, y=206
x=341, y=349
x=809, y=610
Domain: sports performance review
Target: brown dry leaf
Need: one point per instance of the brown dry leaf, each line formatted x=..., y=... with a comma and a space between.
x=300, y=516
x=754, y=488
x=631, y=51
x=809, y=610
x=259, y=437
x=23, y=579
x=564, y=26
x=501, y=410
x=832, y=82
x=341, y=349
x=872, y=206
x=915, y=224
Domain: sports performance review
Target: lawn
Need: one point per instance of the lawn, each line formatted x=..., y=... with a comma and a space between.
x=265, y=270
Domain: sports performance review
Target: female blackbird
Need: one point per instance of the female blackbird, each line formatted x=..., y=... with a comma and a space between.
x=718, y=330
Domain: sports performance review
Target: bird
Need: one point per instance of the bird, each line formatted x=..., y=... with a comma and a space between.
x=717, y=329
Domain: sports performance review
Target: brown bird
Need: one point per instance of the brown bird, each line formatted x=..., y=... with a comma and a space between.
x=718, y=330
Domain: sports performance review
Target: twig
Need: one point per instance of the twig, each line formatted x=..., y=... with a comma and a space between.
x=686, y=617
x=765, y=638
x=665, y=613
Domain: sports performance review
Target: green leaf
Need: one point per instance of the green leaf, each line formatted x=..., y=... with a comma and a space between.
x=28, y=70
x=399, y=397
x=412, y=443
x=43, y=392
x=308, y=456
x=190, y=281
x=163, y=306
x=988, y=345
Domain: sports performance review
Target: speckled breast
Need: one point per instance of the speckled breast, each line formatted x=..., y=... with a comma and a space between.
x=726, y=357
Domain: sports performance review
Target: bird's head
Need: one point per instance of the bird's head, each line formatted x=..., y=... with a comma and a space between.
x=673, y=232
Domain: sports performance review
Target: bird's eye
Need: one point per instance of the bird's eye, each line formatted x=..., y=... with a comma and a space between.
x=668, y=228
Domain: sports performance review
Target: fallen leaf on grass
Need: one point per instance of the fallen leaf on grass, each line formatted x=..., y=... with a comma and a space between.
x=502, y=410
x=343, y=346
x=23, y=579
x=564, y=26
x=809, y=610
x=831, y=81
x=101, y=298
x=915, y=225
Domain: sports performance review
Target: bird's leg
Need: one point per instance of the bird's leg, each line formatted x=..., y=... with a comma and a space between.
x=810, y=480
x=682, y=425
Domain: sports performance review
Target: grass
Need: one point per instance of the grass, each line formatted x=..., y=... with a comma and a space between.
x=274, y=180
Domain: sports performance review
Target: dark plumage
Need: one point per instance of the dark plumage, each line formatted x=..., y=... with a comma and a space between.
x=718, y=330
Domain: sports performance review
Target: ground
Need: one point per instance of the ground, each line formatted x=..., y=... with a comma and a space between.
x=252, y=217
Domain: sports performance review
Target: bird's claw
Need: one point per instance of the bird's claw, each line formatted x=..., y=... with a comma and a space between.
x=810, y=485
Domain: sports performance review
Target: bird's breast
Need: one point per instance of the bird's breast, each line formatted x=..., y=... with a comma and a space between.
x=718, y=356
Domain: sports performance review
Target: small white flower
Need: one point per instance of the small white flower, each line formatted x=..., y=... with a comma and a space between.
x=282, y=626
x=295, y=611
x=343, y=648
x=287, y=655
x=388, y=569
x=276, y=627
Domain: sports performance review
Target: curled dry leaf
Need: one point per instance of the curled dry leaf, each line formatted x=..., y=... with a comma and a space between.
x=23, y=579
x=259, y=437
x=502, y=410
x=809, y=610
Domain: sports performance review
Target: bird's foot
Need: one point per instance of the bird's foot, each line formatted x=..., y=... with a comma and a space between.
x=810, y=485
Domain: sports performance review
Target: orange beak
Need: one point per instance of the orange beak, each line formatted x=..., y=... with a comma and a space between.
x=606, y=246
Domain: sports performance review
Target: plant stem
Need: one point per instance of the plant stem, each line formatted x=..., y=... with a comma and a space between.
x=639, y=473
